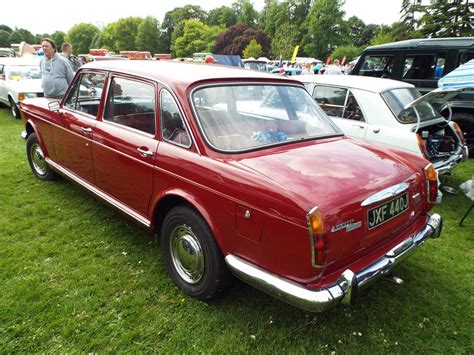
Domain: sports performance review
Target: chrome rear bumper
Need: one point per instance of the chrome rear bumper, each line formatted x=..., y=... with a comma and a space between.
x=443, y=167
x=347, y=285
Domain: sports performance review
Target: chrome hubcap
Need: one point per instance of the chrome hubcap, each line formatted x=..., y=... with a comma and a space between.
x=37, y=158
x=187, y=255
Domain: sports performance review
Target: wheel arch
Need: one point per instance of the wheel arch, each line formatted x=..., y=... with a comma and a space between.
x=178, y=197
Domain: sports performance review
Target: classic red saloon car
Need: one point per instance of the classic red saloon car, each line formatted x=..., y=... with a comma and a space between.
x=238, y=172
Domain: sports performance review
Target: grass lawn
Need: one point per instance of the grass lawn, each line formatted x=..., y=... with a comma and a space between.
x=77, y=276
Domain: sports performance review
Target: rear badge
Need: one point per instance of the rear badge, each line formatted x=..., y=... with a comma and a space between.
x=348, y=226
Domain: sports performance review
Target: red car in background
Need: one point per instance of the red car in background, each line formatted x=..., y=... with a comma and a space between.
x=239, y=172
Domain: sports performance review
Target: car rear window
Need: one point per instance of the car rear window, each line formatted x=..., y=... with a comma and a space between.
x=397, y=99
x=243, y=117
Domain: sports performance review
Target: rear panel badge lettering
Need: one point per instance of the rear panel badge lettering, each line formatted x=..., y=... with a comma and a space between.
x=348, y=226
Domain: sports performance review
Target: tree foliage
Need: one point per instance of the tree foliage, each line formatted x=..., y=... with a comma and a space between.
x=196, y=37
x=447, y=18
x=246, y=13
x=148, y=35
x=80, y=36
x=237, y=37
x=253, y=49
x=350, y=52
x=4, y=38
x=58, y=37
x=174, y=17
x=19, y=35
x=326, y=28
x=284, y=41
x=222, y=16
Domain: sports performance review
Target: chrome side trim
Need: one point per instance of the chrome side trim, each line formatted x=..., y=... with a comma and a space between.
x=107, y=198
x=386, y=193
x=345, y=289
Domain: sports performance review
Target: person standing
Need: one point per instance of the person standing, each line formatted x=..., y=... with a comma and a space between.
x=75, y=62
x=308, y=69
x=56, y=71
x=334, y=69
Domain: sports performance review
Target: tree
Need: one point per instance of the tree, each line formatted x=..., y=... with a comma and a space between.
x=222, y=16
x=356, y=29
x=196, y=37
x=447, y=18
x=253, y=49
x=148, y=35
x=5, y=28
x=382, y=36
x=367, y=34
x=80, y=36
x=4, y=38
x=97, y=41
x=21, y=35
x=246, y=13
x=350, y=52
x=325, y=28
x=237, y=37
x=125, y=32
x=172, y=18
x=58, y=37
x=284, y=41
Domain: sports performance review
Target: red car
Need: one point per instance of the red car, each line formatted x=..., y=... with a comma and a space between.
x=239, y=172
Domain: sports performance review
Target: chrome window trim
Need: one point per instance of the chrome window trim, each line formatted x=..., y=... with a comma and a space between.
x=386, y=193
x=109, y=199
x=261, y=83
x=136, y=79
x=182, y=119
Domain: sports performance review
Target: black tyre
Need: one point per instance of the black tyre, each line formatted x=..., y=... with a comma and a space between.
x=191, y=255
x=465, y=121
x=14, y=109
x=35, y=155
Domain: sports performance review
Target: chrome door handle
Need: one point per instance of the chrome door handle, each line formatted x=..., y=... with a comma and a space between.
x=376, y=130
x=145, y=153
x=86, y=129
x=359, y=126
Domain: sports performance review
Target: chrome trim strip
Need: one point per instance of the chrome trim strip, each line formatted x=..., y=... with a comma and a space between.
x=109, y=199
x=345, y=289
x=386, y=193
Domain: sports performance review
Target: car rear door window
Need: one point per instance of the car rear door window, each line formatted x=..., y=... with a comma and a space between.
x=330, y=99
x=173, y=128
x=86, y=93
x=424, y=66
x=131, y=103
x=352, y=110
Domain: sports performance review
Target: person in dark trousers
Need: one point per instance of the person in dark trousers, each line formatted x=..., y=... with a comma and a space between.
x=56, y=71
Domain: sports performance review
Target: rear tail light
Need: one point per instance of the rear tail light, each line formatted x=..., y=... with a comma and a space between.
x=421, y=144
x=317, y=236
x=432, y=183
x=459, y=132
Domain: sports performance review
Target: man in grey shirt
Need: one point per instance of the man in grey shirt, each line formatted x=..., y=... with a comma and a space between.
x=56, y=71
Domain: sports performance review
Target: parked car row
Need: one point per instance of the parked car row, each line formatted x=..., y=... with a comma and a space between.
x=239, y=172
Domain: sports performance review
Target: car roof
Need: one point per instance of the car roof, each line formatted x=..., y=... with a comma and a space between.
x=31, y=60
x=181, y=73
x=367, y=83
x=427, y=43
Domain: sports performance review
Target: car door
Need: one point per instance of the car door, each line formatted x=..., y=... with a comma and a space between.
x=3, y=85
x=124, y=146
x=74, y=129
x=342, y=107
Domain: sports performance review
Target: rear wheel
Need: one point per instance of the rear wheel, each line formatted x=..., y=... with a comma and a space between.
x=191, y=255
x=38, y=164
x=465, y=121
x=14, y=109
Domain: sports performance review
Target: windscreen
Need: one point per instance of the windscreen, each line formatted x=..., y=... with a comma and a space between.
x=23, y=72
x=397, y=99
x=243, y=117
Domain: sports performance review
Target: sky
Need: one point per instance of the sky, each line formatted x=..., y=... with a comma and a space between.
x=52, y=15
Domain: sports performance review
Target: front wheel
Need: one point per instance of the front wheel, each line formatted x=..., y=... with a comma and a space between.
x=14, y=109
x=38, y=164
x=191, y=255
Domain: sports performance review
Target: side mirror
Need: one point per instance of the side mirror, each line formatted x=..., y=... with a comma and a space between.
x=54, y=106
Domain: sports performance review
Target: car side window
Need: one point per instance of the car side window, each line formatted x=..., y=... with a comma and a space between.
x=330, y=99
x=466, y=57
x=86, y=93
x=424, y=66
x=173, y=128
x=131, y=103
x=352, y=110
x=380, y=66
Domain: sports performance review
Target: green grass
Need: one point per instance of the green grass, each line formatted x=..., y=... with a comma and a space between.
x=77, y=276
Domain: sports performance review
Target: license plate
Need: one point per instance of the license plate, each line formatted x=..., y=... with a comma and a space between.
x=383, y=213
